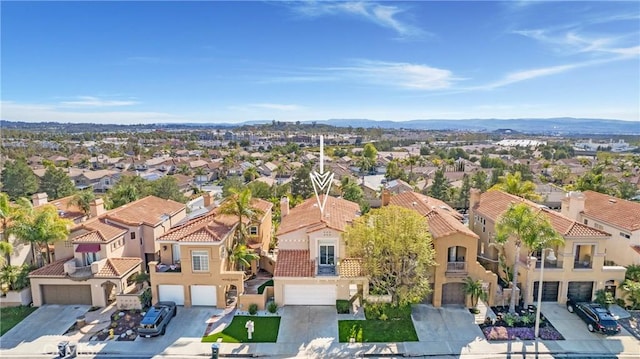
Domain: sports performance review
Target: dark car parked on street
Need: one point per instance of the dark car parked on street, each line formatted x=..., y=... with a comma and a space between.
x=597, y=317
x=156, y=319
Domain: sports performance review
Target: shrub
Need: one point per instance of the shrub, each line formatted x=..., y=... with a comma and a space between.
x=527, y=319
x=342, y=306
x=272, y=307
x=253, y=309
x=604, y=298
x=383, y=317
x=375, y=310
x=510, y=319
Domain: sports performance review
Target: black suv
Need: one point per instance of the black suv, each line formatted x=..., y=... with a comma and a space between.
x=157, y=318
x=597, y=317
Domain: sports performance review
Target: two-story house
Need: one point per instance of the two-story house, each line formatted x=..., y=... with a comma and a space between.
x=618, y=217
x=579, y=268
x=312, y=267
x=99, y=181
x=102, y=254
x=195, y=269
x=456, y=249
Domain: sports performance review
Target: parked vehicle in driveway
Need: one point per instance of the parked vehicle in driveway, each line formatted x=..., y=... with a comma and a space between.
x=597, y=317
x=156, y=319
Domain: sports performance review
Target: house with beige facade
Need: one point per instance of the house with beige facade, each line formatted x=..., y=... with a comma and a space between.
x=579, y=268
x=456, y=249
x=194, y=268
x=101, y=255
x=618, y=217
x=312, y=267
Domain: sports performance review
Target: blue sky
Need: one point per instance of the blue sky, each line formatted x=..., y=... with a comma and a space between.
x=151, y=62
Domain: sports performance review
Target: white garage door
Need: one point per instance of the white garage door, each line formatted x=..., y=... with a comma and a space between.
x=309, y=294
x=203, y=295
x=173, y=293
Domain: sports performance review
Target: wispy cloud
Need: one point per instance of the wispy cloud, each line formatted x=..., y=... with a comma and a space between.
x=383, y=15
x=572, y=42
x=33, y=112
x=398, y=74
x=91, y=101
x=276, y=106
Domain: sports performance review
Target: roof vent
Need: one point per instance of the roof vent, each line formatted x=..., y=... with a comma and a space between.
x=414, y=203
x=612, y=200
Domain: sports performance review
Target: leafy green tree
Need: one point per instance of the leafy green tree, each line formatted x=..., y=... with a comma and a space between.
x=6, y=250
x=596, y=180
x=524, y=227
x=496, y=175
x=626, y=190
x=167, y=187
x=301, y=182
x=561, y=173
x=367, y=163
x=8, y=214
x=239, y=204
x=18, y=180
x=396, y=252
x=83, y=200
x=260, y=189
x=40, y=228
x=394, y=171
x=480, y=181
x=56, y=183
x=250, y=174
x=232, y=182
x=515, y=185
x=465, y=191
x=352, y=192
x=440, y=186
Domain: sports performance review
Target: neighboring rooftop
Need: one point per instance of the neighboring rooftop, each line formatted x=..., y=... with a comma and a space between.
x=618, y=212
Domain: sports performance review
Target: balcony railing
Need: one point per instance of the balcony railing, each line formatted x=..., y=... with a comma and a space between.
x=456, y=269
x=549, y=265
x=327, y=270
x=168, y=268
x=77, y=271
x=582, y=264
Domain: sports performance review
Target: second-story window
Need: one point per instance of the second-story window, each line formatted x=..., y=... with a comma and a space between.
x=200, y=261
x=133, y=235
x=253, y=230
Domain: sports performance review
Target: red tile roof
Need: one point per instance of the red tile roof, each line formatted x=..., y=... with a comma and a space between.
x=442, y=219
x=149, y=210
x=608, y=209
x=493, y=203
x=294, y=263
x=96, y=231
x=338, y=213
x=210, y=228
x=117, y=267
x=350, y=268
x=55, y=269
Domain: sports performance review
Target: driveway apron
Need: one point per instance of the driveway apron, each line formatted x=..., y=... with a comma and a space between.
x=302, y=324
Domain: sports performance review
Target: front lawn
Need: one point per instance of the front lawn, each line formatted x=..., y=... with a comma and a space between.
x=266, y=331
x=377, y=331
x=12, y=316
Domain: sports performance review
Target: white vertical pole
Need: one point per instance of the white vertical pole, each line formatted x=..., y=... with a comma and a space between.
x=321, y=155
x=537, y=326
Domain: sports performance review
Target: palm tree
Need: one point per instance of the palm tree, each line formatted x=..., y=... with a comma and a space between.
x=533, y=230
x=513, y=184
x=40, y=228
x=241, y=256
x=239, y=204
x=8, y=213
x=474, y=289
x=83, y=200
x=6, y=249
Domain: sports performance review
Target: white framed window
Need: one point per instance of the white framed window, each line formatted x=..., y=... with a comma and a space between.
x=253, y=230
x=625, y=235
x=200, y=261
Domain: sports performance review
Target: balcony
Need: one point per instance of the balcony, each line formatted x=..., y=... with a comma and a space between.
x=326, y=270
x=456, y=269
x=586, y=264
x=76, y=270
x=168, y=268
x=549, y=264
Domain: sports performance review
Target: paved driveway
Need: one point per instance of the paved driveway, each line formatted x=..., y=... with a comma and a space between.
x=48, y=320
x=447, y=328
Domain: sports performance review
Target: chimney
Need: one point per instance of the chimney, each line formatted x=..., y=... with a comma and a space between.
x=474, y=197
x=284, y=207
x=96, y=207
x=39, y=199
x=573, y=205
x=386, y=197
x=208, y=199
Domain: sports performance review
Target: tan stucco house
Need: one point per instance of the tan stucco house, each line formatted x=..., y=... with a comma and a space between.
x=311, y=266
x=579, y=269
x=194, y=267
x=101, y=255
x=456, y=249
x=618, y=217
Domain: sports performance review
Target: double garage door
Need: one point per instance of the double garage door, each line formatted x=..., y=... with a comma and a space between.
x=66, y=294
x=295, y=294
x=204, y=295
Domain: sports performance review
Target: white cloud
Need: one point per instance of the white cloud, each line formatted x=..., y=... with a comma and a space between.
x=399, y=74
x=382, y=15
x=91, y=101
x=26, y=112
x=276, y=106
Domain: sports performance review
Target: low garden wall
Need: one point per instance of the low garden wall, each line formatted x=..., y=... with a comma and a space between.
x=15, y=298
x=245, y=300
x=129, y=301
x=378, y=298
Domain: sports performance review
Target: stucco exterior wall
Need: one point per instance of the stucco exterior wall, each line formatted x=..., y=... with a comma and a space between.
x=293, y=240
x=342, y=285
x=618, y=248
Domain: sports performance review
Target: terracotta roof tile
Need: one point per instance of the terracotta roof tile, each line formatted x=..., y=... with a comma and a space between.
x=618, y=212
x=55, y=269
x=117, y=267
x=294, y=263
x=351, y=267
x=211, y=228
x=493, y=203
x=149, y=210
x=96, y=231
x=443, y=220
x=338, y=213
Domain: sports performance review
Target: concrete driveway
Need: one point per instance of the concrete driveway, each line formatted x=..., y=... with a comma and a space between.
x=450, y=328
x=48, y=320
x=307, y=329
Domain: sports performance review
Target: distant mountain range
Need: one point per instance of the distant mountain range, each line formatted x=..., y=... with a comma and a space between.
x=563, y=125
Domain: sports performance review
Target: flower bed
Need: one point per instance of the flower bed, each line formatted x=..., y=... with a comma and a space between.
x=632, y=324
x=125, y=326
x=518, y=326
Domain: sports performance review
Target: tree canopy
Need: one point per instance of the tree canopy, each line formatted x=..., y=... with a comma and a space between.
x=18, y=180
x=56, y=183
x=396, y=252
x=513, y=184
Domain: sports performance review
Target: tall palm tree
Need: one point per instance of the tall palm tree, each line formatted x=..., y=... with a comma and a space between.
x=513, y=184
x=41, y=227
x=241, y=256
x=239, y=204
x=8, y=213
x=83, y=200
x=526, y=228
